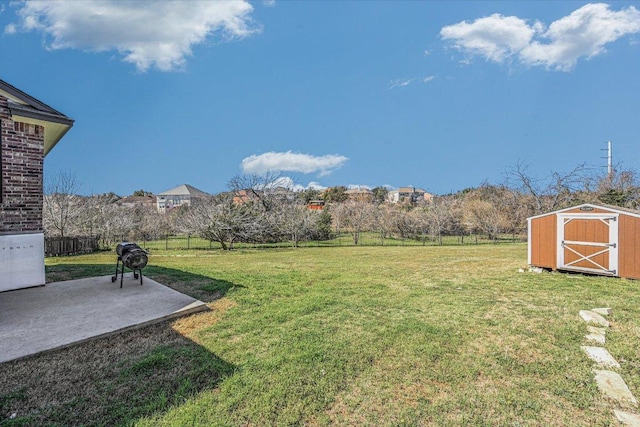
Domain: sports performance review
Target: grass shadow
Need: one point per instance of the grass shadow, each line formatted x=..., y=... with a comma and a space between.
x=121, y=378
x=204, y=288
x=109, y=381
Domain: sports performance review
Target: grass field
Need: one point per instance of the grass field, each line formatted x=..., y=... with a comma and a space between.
x=366, y=336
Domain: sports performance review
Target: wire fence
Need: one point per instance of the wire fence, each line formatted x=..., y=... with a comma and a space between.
x=185, y=242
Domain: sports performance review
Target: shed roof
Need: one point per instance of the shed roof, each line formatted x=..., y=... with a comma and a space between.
x=616, y=209
x=26, y=108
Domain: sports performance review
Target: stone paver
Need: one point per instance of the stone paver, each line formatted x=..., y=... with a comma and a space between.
x=594, y=318
x=605, y=311
x=601, y=356
x=613, y=386
x=627, y=418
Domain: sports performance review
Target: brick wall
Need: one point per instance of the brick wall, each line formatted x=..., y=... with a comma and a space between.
x=21, y=156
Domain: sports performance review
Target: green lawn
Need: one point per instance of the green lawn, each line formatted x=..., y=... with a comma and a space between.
x=384, y=336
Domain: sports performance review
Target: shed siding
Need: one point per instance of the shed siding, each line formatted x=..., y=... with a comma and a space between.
x=543, y=248
x=629, y=252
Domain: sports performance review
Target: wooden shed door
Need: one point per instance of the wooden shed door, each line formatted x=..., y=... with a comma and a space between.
x=588, y=243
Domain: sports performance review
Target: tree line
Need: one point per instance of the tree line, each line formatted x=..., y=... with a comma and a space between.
x=266, y=214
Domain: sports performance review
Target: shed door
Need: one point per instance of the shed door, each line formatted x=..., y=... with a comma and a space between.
x=588, y=243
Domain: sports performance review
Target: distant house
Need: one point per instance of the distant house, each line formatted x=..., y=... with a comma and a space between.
x=182, y=195
x=315, y=205
x=282, y=193
x=243, y=196
x=409, y=195
x=29, y=129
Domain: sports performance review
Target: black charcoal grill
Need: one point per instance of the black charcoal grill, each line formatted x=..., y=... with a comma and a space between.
x=133, y=257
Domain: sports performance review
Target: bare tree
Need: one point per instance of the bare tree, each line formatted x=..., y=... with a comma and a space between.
x=439, y=217
x=556, y=191
x=223, y=219
x=407, y=222
x=383, y=220
x=484, y=211
x=295, y=222
x=257, y=188
x=61, y=203
x=355, y=215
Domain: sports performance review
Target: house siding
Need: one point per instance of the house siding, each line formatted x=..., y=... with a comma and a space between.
x=21, y=160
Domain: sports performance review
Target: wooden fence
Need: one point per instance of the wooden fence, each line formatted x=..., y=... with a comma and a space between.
x=60, y=246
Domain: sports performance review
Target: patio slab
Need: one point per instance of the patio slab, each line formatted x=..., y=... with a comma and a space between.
x=63, y=313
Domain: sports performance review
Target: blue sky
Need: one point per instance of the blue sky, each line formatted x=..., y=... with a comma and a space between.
x=438, y=95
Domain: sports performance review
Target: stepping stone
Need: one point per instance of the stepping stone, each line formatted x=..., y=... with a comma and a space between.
x=627, y=418
x=594, y=318
x=613, y=386
x=596, y=335
x=603, y=311
x=601, y=356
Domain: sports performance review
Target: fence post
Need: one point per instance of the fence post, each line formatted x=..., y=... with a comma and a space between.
x=188, y=241
x=166, y=242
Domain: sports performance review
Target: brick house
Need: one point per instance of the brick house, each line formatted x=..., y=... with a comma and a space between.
x=29, y=129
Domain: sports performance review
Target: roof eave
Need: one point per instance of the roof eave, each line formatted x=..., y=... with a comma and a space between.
x=21, y=110
x=591, y=205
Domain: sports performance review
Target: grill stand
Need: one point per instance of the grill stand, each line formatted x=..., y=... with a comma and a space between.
x=135, y=275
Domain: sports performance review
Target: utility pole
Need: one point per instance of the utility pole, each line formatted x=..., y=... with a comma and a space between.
x=609, y=160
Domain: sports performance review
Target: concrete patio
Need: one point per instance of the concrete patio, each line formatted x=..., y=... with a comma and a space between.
x=62, y=313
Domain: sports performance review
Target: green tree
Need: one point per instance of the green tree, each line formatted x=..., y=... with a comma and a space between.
x=335, y=194
x=380, y=194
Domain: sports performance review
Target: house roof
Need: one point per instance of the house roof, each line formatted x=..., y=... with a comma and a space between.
x=612, y=208
x=410, y=190
x=25, y=108
x=358, y=191
x=183, y=190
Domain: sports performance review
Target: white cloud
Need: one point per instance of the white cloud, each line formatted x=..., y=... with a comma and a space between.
x=289, y=183
x=286, y=182
x=10, y=29
x=292, y=162
x=495, y=37
x=316, y=186
x=584, y=33
x=155, y=33
x=400, y=83
x=393, y=84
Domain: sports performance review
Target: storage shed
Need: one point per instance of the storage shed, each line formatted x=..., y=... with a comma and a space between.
x=588, y=238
